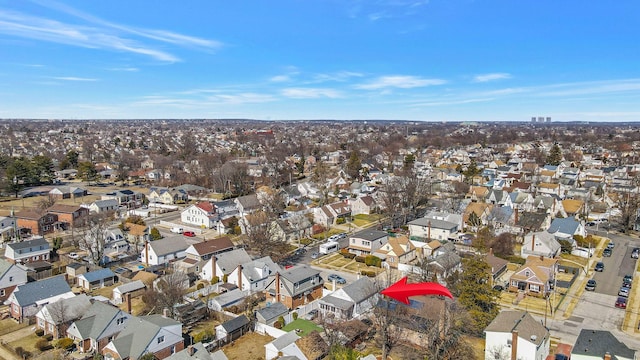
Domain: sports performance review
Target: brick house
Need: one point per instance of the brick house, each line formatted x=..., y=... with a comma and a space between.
x=36, y=223
x=99, y=324
x=296, y=286
x=70, y=215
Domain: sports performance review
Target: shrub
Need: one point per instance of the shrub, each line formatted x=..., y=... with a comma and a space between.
x=372, y=260
x=340, y=221
x=39, y=332
x=215, y=280
x=368, y=273
x=294, y=315
x=42, y=345
x=347, y=254
x=203, y=336
x=48, y=337
x=200, y=286
x=359, y=259
x=64, y=343
x=22, y=353
x=277, y=324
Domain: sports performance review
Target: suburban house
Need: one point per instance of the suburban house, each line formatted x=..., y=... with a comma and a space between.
x=198, y=351
x=600, y=344
x=232, y=329
x=133, y=288
x=476, y=214
x=535, y=277
x=160, y=252
x=270, y=314
x=540, y=243
x=295, y=286
x=292, y=346
x=36, y=223
x=253, y=275
x=200, y=253
x=153, y=334
x=435, y=226
x=366, y=242
x=220, y=265
x=103, y=206
x=67, y=192
x=516, y=335
x=167, y=196
x=291, y=229
x=99, y=324
x=96, y=279
x=566, y=228
x=350, y=301
x=226, y=299
x=247, y=204
x=399, y=250
x=445, y=264
x=126, y=198
x=7, y=228
x=28, y=251
x=54, y=318
x=69, y=215
x=497, y=266
x=363, y=205
x=137, y=235
x=11, y=275
x=329, y=214
x=27, y=299
x=202, y=214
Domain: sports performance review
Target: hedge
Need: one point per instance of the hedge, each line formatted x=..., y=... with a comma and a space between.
x=360, y=259
x=64, y=343
x=372, y=260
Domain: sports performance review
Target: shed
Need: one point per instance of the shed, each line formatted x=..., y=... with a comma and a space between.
x=134, y=288
x=96, y=279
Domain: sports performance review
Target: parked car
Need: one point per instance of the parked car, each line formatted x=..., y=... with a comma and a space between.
x=339, y=279
x=591, y=223
x=621, y=302
x=177, y=230
x=591, y=285
x=333, y=238
x=189, y=233
x=611, y=245
x=73, y=255
x=624, y=292
x=606, y=252
x=498, y=287
x=342, y=235
x=635, y=253
x=315, y=255
x=599, y=266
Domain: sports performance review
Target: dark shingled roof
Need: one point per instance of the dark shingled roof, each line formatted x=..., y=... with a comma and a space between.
x=597, y=343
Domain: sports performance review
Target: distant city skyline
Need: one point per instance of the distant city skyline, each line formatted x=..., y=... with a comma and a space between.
x=421, y=60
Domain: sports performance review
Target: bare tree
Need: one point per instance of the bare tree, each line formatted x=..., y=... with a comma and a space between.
x=93, y=236
x=260, y=236
x=59, y=312
x=170, y=291
x=44, y=203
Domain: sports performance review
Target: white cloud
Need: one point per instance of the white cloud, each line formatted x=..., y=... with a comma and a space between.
x=339, y=76
x=280, y=78
x=400, y=81
x=310, y=93
x=73, y=78
x=491, y=77
x=127, y=69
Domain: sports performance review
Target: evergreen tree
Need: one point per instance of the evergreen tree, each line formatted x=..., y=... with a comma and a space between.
x=354, y=164
x=555, y=155
x=476, y=294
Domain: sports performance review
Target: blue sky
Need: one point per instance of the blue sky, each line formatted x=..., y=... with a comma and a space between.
x=430, y=60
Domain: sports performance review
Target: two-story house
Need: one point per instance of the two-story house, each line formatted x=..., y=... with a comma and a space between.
x=11, y=275
x=363, y=205
x=37, y=223
x=126, y=198
x=164, y=250
x=27, y=299
x=367, y=241
x=200, y=253
x=7, y=228
x=398, y=250
x=100, y=323
x=69, y=215
x=167, y=196
x=153, y=334
x=350, y=301
x=253, y=275
x=28, y=251
x=223, y=264
x=516, y=335
x=435, y=226
x=296, y=286
x=202, y=214
x=103, y=206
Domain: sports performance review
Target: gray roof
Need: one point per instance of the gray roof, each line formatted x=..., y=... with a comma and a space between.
x=597, y=343
x=285, y=340
x=564, y=225
x=298, y=273
x=68, y=309
x=434, y=223
x=229, y=260
x=199, y=353
x=129, y=287
x=229, y=297
x=339, y=303
x=31, y=293
x=273, y=311
x=140, y=331
x=95, y=320
x=369, y=234
x=448, y=260
x=4, y=267
x=523, y=322
x=361, y=289
x=106, y=203
x=250, y=269
x=98, y=275
x=168, y=245
x=235, y=323
x=29, y=244
x=219, y=355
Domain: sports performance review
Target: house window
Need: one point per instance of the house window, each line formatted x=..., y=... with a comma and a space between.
x=527, y=273
x=120, y=321
x=514, y=283
x=10, y=278
x=534, y=288
x=366, y=243
x=160, y=339
x=2, y=293
x=173, y=349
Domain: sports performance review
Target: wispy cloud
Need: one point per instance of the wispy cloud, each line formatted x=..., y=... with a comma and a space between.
x=127, y=69
x=97, y=33
x=73, y=78
x=491, y=77
x=589, y=88
x=310, y=93
x=339, y=76
x=280, y=78
x=399, y=81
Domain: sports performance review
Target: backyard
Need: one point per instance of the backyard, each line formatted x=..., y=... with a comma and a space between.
x=302, y=327
x=249, y=347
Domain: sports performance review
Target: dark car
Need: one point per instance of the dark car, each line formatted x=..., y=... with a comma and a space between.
x=621, y=302
x=189, y=233
x=606, y=252
x=591, y=285
x=611, y=245
x=599, y=266
x=498, y=288
x=339, y=279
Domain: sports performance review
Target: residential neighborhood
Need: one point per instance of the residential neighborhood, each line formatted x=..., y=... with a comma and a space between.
x=188, y=245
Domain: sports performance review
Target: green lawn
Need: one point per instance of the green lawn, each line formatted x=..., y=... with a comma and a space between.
x=304, y=326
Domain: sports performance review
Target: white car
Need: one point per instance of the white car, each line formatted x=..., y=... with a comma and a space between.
x=73, y=255
x=177, y=230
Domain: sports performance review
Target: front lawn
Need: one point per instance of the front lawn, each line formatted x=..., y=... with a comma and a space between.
x=302, y=327
x=9, y=325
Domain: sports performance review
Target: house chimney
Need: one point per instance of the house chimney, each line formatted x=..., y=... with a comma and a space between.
x=516, y=215
x=213, y=267
x=240, y=277
x=146, y=253
x=166, y=313
x=514, y=345
x=490, y=251
x=191, y=350
x=429, y=231
x=533, y=242
x=127, y=298
x=277, y=286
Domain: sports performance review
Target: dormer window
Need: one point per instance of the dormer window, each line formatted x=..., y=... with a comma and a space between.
x=527, y=273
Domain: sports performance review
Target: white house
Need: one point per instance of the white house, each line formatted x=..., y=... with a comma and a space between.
x=253, y=275
x=540, y=243
x=436, y=226
x=102, y=206
x=519, y=332
x=11, y=275
x=29, y=250
x=164, y=250
x=350, y=301
x=202, y=214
